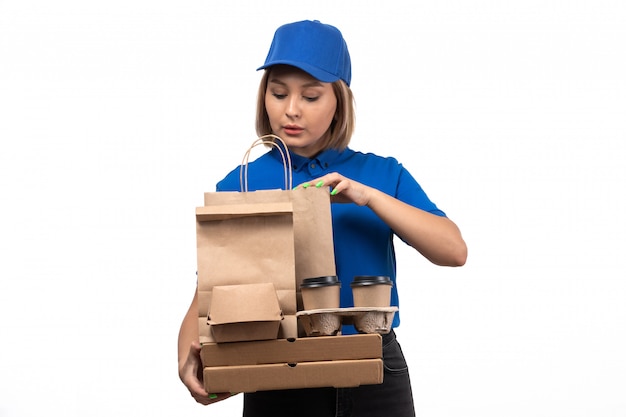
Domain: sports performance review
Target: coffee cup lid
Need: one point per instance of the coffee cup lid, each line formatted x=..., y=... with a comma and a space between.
x=362, y=280
x=320, y=282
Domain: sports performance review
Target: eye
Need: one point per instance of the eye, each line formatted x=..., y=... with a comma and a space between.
x=279, y=96
x=311, y=99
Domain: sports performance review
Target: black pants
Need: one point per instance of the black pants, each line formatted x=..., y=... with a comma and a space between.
x=391, y=398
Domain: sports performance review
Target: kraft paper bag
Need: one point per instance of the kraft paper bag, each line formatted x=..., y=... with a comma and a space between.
x=251, y=237
x=246, y=242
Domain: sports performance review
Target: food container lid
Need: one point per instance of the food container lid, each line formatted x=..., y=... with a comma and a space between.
x=362, y=280
x=320, y=282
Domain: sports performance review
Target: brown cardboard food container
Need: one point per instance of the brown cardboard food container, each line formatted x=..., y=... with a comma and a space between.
x=252, y=378
x=244, y=312
x=331, y=361
x=304, y=349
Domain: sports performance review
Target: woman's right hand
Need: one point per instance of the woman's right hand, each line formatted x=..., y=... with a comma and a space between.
x=191, y=374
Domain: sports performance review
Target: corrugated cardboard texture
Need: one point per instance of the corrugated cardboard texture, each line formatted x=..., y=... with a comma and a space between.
x=251, y=378
x=308, y=349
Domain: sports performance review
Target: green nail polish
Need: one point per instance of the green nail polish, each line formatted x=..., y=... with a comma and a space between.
x=333, y=192
x=306, y=185
x=212, y=396
x=319, y=184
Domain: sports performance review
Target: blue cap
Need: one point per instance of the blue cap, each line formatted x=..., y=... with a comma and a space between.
x=314, y=47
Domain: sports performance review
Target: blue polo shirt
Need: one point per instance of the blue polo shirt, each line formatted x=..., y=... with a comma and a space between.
x=363, y=243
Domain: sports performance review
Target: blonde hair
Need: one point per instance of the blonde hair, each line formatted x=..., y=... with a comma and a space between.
x=341, y=128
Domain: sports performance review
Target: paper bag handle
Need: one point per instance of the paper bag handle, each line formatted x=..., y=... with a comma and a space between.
x=263, y=140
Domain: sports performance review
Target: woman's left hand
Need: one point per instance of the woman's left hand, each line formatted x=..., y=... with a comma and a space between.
x=343, y=190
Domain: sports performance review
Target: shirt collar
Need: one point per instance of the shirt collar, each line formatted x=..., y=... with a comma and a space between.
x=324, y=159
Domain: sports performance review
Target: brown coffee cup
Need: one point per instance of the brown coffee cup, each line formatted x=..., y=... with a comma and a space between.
x=371, y=291
x=320, y=292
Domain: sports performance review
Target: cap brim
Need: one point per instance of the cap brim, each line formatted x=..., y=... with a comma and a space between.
x=318, y=74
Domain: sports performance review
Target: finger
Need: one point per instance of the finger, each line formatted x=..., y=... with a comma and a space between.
x=196, y=387
x=195, y=346
x=202, y=400
x=303, y=185
x=194, y=371
x=220, y=396
x=213, y=398
x=197, y=391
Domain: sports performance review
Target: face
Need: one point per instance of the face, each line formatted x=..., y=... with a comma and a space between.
x=300, y=109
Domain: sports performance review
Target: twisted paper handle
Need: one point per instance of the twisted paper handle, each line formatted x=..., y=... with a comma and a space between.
x=263, y=140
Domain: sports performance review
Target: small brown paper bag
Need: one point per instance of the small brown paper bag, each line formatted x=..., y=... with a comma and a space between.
x=277, y=236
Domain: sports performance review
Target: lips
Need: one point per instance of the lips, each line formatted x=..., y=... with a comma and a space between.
x=292, y=129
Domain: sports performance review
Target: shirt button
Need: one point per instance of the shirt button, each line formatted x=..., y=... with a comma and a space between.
x=312, y=166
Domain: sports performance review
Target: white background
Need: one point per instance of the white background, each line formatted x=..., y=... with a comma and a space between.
x=116, y=116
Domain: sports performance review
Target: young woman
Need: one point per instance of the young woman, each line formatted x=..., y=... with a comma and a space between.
x=305, y=99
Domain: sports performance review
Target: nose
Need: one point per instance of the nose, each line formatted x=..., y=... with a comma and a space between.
x=292, y=110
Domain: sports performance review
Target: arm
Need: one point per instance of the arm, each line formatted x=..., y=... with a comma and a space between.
x=189, y=363
x=437, y=238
